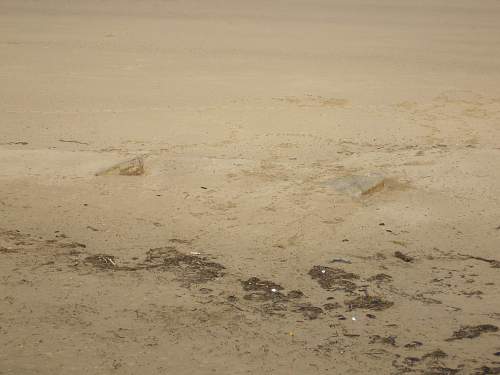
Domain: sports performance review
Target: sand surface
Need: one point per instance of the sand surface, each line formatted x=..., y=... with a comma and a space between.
x=253, y=243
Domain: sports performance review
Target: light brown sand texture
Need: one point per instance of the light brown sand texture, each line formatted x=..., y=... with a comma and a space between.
x=249, y=187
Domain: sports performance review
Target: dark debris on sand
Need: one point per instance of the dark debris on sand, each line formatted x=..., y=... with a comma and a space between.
x=377, y=339
x=470, y=332
x=101, y=261
x=486, y=370
x=435, y=355
x=493, y=262
x=265, y=290
x=331, y=306
x=413, y=344
x=262, y=290
x=190, y=269
x=404, y=257
x=274, y=308
x=333, y=278
x=309, y=311
x=380, y=278
x=369, y=302
x=5, y=250
x=256, y=284
x=441, y=370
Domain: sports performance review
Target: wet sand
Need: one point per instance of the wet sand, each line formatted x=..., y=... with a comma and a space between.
x=315, y=190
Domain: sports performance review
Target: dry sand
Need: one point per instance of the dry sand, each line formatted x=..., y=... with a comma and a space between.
x=242, y=249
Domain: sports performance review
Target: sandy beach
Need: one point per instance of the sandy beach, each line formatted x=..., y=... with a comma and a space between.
x=235, y=187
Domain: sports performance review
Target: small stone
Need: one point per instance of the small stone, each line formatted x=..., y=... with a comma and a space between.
x=404, y=257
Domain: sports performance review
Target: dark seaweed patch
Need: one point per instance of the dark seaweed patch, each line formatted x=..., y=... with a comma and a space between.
x=333, y=278
x=369, y=302
x=101, y=261
x=309, y=311
x=470, y=332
